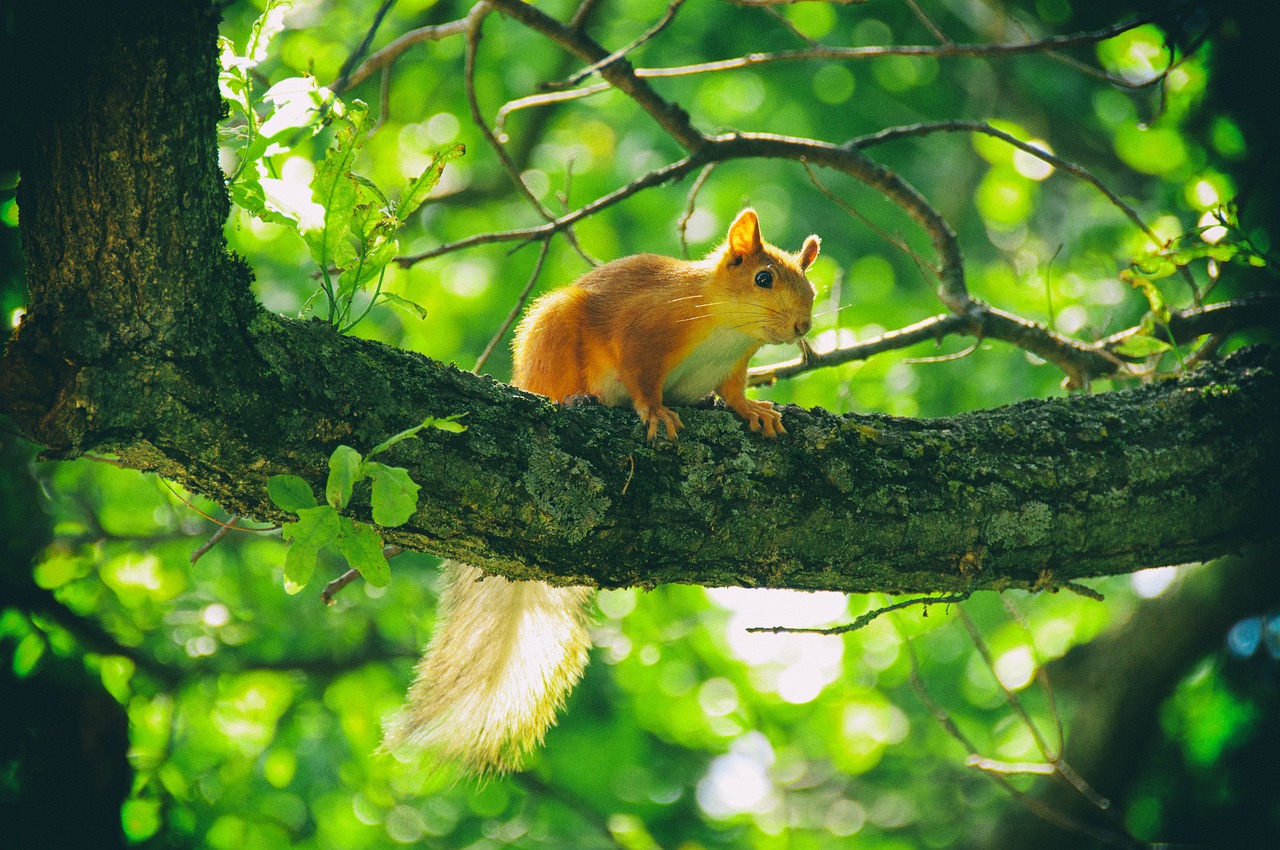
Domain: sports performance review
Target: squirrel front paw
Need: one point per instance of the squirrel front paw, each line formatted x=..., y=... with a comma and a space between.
x=652, y=415
x=760, y=416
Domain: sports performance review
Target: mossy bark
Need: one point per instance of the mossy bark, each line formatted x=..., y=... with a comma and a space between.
x=143, y=340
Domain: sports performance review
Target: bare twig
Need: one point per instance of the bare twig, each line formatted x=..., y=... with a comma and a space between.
x=666, y=19
x=683, y=225
x=1062, y=820
x=1058, y=162
x=867, y=618
x=515, y=309
x=476, y=20
x=387, y=56
x=895, y=241
x=929, y=23
x=223, y=528
x=545, y=99
x=1052, y=755
x=674, y=120
x=657, y=177
x=946, y=50
x=332, y=588
x=344, y=75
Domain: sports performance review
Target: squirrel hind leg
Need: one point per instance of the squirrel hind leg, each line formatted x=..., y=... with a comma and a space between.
x=497, y=671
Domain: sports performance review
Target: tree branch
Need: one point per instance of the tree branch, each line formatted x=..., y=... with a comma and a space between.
x=158, y=354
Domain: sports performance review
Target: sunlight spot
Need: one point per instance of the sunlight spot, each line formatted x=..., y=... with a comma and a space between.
x=216, y=615
x=1213, y=232
x=1205, y=194
x=738, y=782
x=1015, y=668
x=1071, y=318
x=1030, y=166
x=443, y=127
x=845, y=818
x=718, y=697
x=795, y=666
x=1151, y=583
x=293, y=201
x=15, y=318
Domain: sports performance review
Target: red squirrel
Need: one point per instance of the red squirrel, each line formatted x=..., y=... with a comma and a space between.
x=651, y=330
x=648, y=330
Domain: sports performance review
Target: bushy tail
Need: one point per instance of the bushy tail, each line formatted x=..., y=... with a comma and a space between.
x=497, y=670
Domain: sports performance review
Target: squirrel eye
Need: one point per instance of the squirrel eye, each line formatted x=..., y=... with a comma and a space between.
x=764, y=279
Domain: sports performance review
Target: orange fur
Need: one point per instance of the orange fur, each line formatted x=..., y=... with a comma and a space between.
x=646, y=329
x=653, y=330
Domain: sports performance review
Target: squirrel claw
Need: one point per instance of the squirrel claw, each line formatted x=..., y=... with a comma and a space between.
x=761, y=417
x=651, y=416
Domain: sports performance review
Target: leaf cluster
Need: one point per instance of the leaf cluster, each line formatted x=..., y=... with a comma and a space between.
x=394, y=498
x=346, y=222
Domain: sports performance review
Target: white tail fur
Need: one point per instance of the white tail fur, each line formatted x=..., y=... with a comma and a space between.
x=499, y=667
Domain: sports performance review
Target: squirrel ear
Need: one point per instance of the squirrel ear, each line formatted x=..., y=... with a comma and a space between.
x=809, y=252
x=744, y=234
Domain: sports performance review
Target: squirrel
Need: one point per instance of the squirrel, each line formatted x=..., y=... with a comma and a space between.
x=648, y=330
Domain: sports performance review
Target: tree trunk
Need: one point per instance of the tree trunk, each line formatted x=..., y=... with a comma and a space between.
x=143, y=340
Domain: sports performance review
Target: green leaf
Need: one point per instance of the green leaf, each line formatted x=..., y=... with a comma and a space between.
x=264, y=29
x=1155, y=299
x=362, y=547
x=299, y=566
x=1141, y=345
x=416, y=190
x=290, y=493
x=395, y=495
x=449, y=423
x=404, y=303
x=336, y=191
x=344, y=472
x=316, y=527
x=373, y=188
x=298, y=105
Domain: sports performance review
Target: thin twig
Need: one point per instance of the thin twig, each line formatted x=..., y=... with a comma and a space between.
x=867, y=618
x=929, y=23
x=682, y=226
x=515, y=309
x=545, y=99
x=666, y=19
x=943, y=358
x=221, y=532
x=387, y=56
x=476, y=19
x=229, y=525
x=332, y=588
x=1036, y=806
x=1058, y=162
x=1032, y=804
x=657, y=177
x=344, y=75
x=948, y=50
x=1011, y=696
x=895, y=241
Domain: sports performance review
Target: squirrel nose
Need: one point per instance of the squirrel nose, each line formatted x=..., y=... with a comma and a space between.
x=802, y=326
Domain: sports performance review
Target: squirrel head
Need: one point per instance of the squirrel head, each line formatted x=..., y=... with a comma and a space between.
x=764, y=288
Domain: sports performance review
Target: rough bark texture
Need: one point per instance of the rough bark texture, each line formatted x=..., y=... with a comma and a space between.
x=143, y=340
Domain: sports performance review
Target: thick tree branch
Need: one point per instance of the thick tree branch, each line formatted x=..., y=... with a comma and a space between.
x=142, y=340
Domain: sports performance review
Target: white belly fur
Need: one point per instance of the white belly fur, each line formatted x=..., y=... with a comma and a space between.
x=695, y=377
x=706, y=367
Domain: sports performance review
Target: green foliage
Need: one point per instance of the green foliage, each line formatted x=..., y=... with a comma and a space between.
x=254, y=716
x=345, y=220
x=394, y=499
